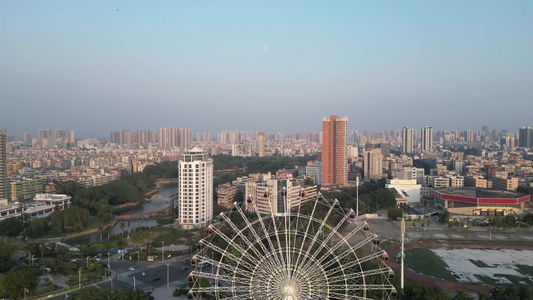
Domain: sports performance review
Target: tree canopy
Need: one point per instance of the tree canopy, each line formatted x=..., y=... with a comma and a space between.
x=11, y=227
x=17, y=279
x=108, y=294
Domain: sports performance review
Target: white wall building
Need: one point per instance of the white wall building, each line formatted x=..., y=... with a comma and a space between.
x=410, y=173
x=408, y=189
x=195, y=189
x=268, y=197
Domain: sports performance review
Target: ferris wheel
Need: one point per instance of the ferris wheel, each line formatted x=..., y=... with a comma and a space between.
x=297, y=255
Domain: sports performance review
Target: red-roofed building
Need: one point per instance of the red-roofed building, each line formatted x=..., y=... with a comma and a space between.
x=479, y=202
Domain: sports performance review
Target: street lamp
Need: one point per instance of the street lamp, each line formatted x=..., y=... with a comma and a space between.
x=88, y=262
x=108, y=262
x=134, y=289
x=79, y=278
x=162, y=251
x=168, y=265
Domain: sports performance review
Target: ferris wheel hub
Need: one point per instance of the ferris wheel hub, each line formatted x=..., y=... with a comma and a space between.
x=290, y=290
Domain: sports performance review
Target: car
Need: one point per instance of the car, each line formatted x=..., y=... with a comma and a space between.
x=185, y=268
x=143, y=274
x=131, y=268
x=156, y=278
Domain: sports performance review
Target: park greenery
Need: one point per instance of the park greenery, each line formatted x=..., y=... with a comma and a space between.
x=373, y=196
x=15, y=281
x=259, y=164
x=108, y=294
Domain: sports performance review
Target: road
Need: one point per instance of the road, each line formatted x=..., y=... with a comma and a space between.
x=387, y=230
x=124, y=276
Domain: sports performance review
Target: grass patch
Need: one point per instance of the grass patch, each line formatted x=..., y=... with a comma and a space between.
x=486, y=279
x=425, y=261
x=514, y=279
x=480, y=263
x=525, y=269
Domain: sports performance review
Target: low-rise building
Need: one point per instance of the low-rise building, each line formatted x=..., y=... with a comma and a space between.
x=406, y=189
x=476, y=181
x=25, y=189
x=479, y=202
x=275, y=195
x=226, y=194
x=505, y=184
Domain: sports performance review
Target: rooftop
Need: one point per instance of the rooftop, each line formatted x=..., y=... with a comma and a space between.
x=477, y=193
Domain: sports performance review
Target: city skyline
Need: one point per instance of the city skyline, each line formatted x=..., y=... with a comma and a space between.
x=100, y=66
x=109, y=135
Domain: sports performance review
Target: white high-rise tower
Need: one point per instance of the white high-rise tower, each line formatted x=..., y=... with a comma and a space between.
x=427, y=138
x=3, y=164
x=195, y=189
x=407, y=140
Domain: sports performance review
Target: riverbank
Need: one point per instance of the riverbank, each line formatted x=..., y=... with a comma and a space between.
x=75, y=235
x=126, y=206
x=166, y=181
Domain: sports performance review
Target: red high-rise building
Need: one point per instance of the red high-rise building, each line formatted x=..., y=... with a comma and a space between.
x=334, y=150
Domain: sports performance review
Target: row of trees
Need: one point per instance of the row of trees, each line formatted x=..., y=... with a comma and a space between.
x=259, y=164
x=165, y=169
x=108, y=294
x=373, y=196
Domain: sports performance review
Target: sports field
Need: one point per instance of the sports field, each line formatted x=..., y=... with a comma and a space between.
x=492, y=266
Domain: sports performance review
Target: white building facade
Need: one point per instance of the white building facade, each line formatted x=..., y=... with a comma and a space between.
x=269, y=197
x=195, y=189
x=408, y=189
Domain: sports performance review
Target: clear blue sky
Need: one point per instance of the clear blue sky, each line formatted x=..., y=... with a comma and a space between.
x=96, y=66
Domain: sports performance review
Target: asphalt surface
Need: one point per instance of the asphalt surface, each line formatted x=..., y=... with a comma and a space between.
x=155, y=275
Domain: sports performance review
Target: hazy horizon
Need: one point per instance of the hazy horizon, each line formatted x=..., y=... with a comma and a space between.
x=99, y=66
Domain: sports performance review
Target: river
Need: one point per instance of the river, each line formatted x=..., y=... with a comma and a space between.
x=166, y=191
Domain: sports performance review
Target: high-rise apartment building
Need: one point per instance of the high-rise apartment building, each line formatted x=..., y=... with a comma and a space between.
x=407, y=140
x=262, y=143
x=71, y=138
x=60, y=133
x=45, y=133
x=427, y=138
x=3, y=164
x=131, y=137
x=174, y=137
x=195, y=189
x=204, y=137
x=27, y=139
x=334, y=150
x=373, y=164
x=525, y=137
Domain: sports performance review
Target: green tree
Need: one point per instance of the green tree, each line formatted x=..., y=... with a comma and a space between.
x=108, y=294
x=385, y=198
x=6, y=249
x=444, y=217
x=16, y=280
x=394, y=214
x=42, y=250
x=70, y=187
x=37, y=228
x=11, y=227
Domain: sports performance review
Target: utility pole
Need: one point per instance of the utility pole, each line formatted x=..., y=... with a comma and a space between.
x=162, y=251
x=79, y=279
x=402, y=230
x=357, y=195
x=108, y=262
x=134, y=288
